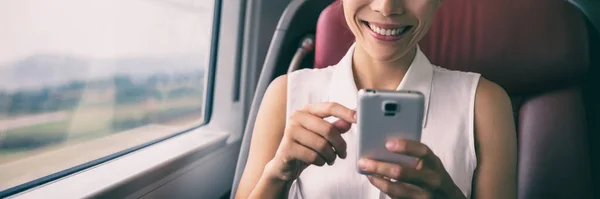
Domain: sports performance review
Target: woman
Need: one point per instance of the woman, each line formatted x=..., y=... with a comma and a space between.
x=468, y=144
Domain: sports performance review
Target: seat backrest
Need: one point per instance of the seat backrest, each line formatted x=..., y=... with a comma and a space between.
x=537, y=50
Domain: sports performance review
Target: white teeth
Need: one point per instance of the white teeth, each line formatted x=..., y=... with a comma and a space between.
x=386, y=32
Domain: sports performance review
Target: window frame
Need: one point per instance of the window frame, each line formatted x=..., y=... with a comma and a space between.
x=22, y=189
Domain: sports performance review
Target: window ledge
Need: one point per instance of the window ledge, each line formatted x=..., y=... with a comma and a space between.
x=94, y=180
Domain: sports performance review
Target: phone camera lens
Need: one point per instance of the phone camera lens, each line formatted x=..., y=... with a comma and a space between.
x=390, y=107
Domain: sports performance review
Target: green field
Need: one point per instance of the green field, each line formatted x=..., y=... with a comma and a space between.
x=92, y=122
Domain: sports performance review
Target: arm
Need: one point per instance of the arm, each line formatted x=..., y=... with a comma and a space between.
x=279, y=152
x=268, y=131
x=496, y=143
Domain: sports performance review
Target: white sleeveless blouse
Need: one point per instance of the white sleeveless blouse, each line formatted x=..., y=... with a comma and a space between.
x=447, y=127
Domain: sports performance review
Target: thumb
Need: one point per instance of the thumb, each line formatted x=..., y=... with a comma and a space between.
x=342, y=125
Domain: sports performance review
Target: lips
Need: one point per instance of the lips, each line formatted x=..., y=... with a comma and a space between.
x=387, y=32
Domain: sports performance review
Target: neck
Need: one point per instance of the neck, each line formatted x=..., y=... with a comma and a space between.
x=379, y=74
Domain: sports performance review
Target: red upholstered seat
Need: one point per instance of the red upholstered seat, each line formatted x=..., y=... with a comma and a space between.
x=333, y=37
x=537, y=50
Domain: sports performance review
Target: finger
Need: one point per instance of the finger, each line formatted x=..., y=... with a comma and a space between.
x=315, y=142
x=423, y=177
x=328, y=109
x=342, y=125
x=324, y=129
x=396, y=189
x=412, y=148
x=306, y=155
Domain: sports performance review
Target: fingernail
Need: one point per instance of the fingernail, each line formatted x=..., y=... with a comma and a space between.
x=362, y=164
x=354, y=116
x=390, y=145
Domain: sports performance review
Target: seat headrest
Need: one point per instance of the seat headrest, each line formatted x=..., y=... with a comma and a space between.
x=523, y=45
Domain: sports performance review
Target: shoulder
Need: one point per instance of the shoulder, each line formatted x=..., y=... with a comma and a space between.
x=275, y=95
x=278, y=84
x=310, y=75
x=491, y=97
x=308, y=85
x=494, y=121
x=488, y=88
x=447, y=73
x=493, y=109
x=297, y=83
x=455, y=83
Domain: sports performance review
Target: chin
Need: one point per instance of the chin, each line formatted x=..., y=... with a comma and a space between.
x=387, y=53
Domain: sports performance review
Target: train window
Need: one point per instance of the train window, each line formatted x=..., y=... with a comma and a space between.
x=83, y=79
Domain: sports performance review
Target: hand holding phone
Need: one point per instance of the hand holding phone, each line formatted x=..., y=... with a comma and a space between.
x=390, y=152
x=388, y=115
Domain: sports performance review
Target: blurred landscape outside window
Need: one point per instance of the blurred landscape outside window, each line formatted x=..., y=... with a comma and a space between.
x=84, y=79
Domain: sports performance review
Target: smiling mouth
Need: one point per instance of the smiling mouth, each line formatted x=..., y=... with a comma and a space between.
x=387, y=30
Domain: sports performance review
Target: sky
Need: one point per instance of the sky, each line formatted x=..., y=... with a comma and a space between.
x=103, y=29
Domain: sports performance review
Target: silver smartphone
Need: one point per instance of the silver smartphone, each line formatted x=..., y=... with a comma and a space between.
x=383, y=115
